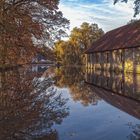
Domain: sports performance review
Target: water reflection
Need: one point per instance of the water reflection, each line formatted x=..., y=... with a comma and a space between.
x=135, y=135
x=125, y=84
x=125, y=104
x=34, y=100
x=29, y=105
x=115, y=84
x=73, y=78
x=108, y=88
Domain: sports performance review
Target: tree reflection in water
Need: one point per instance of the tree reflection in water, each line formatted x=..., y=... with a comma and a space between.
x=136, y=132
x=73, y=78
x=29, y=106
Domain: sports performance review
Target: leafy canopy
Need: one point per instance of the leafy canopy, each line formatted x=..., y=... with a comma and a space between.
x=25, y=24
x=80, y=39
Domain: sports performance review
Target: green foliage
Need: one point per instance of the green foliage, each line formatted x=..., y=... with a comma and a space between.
x=72, y=51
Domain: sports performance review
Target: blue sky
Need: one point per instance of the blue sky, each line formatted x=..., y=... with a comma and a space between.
x=102, y=12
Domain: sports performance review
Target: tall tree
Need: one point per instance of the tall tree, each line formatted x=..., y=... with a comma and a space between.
x=86, y=35
x=28, y=23
x=71, y=51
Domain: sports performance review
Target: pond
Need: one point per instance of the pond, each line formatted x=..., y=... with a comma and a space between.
x=41, y=102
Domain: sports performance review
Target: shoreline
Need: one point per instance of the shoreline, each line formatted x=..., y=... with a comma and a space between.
x=9, y=67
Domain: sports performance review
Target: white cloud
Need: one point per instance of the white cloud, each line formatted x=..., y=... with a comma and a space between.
x=105, y=14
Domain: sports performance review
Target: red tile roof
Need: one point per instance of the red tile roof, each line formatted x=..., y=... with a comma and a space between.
x=124, y=37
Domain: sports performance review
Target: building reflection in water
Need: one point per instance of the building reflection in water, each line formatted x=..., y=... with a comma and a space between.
x=107, y=88
x=125, y=84
x=111, y=86
x=101, y=86
x=29, y=105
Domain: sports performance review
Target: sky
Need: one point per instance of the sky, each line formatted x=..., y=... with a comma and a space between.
x=103, y=12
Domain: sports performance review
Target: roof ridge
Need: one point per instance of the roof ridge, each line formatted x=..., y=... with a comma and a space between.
x=121, y=37
x=135, y=22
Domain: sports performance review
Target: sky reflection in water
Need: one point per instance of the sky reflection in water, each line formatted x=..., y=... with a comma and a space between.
x=41, y=103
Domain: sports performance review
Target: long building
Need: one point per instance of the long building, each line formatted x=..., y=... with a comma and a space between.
x=117, y=50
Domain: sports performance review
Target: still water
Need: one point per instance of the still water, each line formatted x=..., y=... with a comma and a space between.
x=40, y=102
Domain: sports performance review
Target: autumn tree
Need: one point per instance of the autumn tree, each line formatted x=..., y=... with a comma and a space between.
x=71, y=51
x=59, y=49
x=85, y=35
x=25, y=24
x=46, y=52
